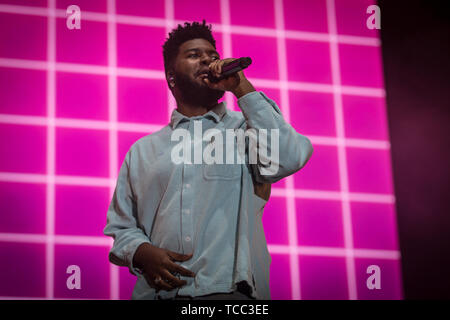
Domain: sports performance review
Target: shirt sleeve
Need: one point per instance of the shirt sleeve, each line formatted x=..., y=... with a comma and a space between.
x=293, y=150
x=122, y=223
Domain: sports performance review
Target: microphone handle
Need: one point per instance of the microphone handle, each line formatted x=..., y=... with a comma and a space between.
x=231, y=68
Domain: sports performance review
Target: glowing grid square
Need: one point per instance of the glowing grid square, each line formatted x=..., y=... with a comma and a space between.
x=390, y=279
x=85, y=5
x=153, y=8
x=78, y=210
x=312, y=113
x=23, y=207
x=374, y=226
x=360, y=66
x=94, y=271
x=140, y=47
x=305, y=15
x=351, y=17
x=33, y=3
x=29, y=282
x=280, y=282
x=86, y=45
x=197, y=10
x=369, y=170
x=319, y=223
x=308, y=61
x=23, y=37
x=142, y=100
x=126, y=284
x=32, y=86
x=81, y=96
x=323, y=278
x=275, y=221
x=254, y=13
x=219, y=41
x=321, y=172
x=82, y=152
x=263, y=52
x=21, y=143
x=365, y=117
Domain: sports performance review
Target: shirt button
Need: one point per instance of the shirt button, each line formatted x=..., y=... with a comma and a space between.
x=187, y=238
x=188, y=185
x=187, y=211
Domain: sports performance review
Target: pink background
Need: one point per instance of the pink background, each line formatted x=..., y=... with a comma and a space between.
x=73, y=102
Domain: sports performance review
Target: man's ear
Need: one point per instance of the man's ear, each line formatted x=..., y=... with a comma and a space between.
x=171, y=79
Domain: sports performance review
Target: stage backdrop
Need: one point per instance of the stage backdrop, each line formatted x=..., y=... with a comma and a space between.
x=72, y=102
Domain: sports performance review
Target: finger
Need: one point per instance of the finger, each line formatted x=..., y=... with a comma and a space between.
x=219, y=67
x=149, y=280
x=173, y=267
x=212, y=67
x=179, y=256
x=163, y=285
x=172, y=280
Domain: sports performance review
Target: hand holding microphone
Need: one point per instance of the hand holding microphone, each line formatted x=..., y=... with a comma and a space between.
x=230, y=67
x=226, y=74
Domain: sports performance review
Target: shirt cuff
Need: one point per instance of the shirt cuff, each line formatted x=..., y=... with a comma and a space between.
x=132, y=248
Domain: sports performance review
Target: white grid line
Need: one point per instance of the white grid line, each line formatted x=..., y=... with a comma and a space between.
x=342, y=162
x=294, y=266
x=273, y=248
x=112, y=129
x=37, y=298
x=169, y=13
x=149, y=128
x=226, y=43
x=159, y=75
x=80, y=123
x=335, y=252
x=50, y=161
x=276, y=192
x=159, y=22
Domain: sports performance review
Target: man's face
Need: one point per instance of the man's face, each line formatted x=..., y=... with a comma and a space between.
x=194, y=57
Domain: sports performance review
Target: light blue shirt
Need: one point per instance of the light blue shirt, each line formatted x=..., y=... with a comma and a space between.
x=210, y=210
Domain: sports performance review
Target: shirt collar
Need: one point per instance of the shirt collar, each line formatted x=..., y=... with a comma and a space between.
x=217, y=113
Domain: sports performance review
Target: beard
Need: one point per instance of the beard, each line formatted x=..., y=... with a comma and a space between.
x=197, y=94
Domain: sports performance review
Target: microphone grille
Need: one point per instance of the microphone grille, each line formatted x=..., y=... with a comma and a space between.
x=245, y=62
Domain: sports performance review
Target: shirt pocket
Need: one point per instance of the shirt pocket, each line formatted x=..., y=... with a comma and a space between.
x=221, y=171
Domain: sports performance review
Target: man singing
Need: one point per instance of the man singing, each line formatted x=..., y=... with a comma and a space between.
x=194, y=230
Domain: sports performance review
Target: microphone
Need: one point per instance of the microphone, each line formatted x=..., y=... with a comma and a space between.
x=230, y=68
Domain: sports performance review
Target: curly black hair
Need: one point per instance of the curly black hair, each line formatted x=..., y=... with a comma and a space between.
x=182, y=34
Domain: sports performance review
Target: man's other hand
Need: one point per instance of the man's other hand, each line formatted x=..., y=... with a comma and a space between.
x=159, y=267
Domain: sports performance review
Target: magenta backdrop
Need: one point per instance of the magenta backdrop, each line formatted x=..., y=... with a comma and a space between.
x=73, y=101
